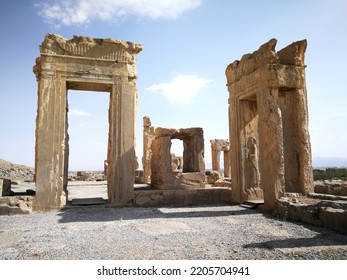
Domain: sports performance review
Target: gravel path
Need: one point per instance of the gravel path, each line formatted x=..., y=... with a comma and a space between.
x=219, y=232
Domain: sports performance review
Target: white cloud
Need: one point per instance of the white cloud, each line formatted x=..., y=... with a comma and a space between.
x=78, y=113
x=182, y=89
x=70, y=12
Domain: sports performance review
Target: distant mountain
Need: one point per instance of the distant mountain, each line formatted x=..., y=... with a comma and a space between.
x=322, y=162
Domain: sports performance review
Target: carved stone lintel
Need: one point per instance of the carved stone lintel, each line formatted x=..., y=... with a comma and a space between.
x=108, y=49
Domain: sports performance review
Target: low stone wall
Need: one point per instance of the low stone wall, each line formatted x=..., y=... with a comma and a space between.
x=208, y=196
x=336, y=187
x=331, y=213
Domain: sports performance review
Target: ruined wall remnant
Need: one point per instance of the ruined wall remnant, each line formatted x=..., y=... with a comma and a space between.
x=84, y=63
x=268, y=124
x=218, y=146
x=193, y=170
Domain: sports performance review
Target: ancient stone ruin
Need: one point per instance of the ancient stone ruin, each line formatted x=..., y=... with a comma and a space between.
x=218, y=146
x=162, y=168
x=267, y=157
x=84, y=63
x=268, y=124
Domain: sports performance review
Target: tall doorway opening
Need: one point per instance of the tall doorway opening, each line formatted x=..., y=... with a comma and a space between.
x=87, y=146
x=176, y=155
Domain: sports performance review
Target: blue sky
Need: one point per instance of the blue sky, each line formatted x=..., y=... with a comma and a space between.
x=187, y=45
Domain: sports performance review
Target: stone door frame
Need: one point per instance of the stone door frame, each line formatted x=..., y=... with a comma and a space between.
x=87, y=64
x=277, y=81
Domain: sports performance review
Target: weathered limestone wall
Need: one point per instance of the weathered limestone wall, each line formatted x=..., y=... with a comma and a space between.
x=84, y=63
x=268, y=124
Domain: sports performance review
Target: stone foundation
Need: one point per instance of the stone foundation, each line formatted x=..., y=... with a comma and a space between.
x=331, y=214
x=188, y=197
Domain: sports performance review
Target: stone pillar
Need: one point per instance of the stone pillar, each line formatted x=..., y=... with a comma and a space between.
x=51, y=139
x=148, y=137
x=121, y=148
x=217, y=146
x=226, y=163
x=271, y=161
x=162, y=176
x=193, y=153
x=215, y=156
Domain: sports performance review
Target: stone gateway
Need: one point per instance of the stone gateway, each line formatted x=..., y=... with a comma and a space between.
x=84, y=63
x=268, y=124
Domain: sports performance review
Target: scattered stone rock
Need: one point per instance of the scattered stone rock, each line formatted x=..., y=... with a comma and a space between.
x=212, y=176
x=13, y=205
x=222, y=183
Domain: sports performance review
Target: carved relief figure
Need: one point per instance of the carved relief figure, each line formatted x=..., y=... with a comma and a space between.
x=252, y=162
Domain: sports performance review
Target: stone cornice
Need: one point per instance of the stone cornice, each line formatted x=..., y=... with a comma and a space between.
x=80, y=46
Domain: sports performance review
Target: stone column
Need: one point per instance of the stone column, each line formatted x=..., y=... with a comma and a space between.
x=162, y=175
x=227, y=164
x=215, y=156
x=121, y=150
x=271, y=164
x=193, y=154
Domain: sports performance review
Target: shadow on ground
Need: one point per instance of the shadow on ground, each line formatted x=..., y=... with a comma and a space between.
x=104, y=213
x=323, y=238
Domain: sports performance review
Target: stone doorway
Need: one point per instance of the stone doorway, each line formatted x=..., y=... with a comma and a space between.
x=84, y=63
x=87, y=145
x=268, y=120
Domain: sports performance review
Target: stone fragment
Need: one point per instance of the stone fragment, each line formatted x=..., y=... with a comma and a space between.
x=223, y=183
x=190, y=180
x=13, y=205
x=334, y=215
x=212, y=176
